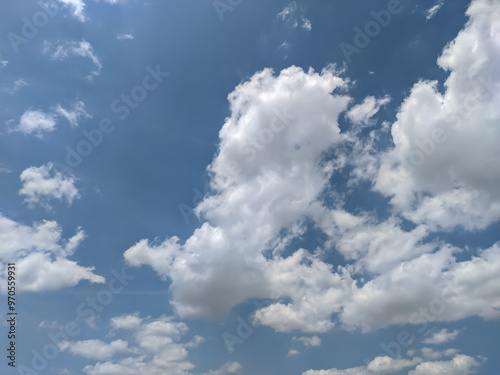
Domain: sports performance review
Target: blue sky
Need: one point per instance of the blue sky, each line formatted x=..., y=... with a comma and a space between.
x=251, y=187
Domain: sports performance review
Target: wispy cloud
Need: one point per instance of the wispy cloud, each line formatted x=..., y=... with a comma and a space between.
x=67, y=49
x=125, y=37
x=431, y=12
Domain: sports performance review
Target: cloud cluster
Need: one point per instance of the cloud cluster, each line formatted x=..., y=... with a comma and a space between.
x=38, y=122
x=272, y=177
x=154, y=348
x=41, y=256
x=459, y=365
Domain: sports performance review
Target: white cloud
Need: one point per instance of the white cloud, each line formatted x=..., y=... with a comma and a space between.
x=375, y=246
x=155, y=346
x=431, y=12
x=227, y=368
x=442, y=336
x=18, y=84
x=267, y=180
x=44, y=183
x=459, y=365
x=125, y=37
x=379, y=365
x=430, y=354
x=292, y=15
x=275, y=158
x=130, y=322
x=76, y=7
x=431, y=287
x=37, y=122
x=95, y=349
x=292, y=352
x=306, y=24
x=4, y=169
x=82, y=49
x=308, y=342
x=3, y=63
x=41, y=256
x=434, y=175
x=361, y=114
x=73, y=115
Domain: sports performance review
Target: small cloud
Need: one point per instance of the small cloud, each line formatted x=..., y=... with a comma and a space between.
x=36, y=122
x=284, y=45
x=82, y=48
x=15, y=87
x=306, y=24
x=308, y=342
x=441, y=337
x=431, y=12
x=73, y=115
x=76, y=7
x=361, y=114
x=292, y=352
x=125, y=37
x=3, y=63
x=288, y=11
x=4, y=169
x=292, y=14
x=41, y=184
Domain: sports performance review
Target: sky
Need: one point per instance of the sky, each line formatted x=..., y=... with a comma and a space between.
x=249, y=187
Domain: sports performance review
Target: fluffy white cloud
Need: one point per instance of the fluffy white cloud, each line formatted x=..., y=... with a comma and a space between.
x=308, y=341
x=375, y=246
x=267, y=172
x=361, y=114
x=443, y=169
x=274, y=162
x=41, y=256
x=44, y=183
x=431, y=287
x=442, y=336
x=95, y=349
x=430, y=354
x=82, y=49
x=155, y=346
x=379, y=365
x=459, y=365
x=36, y=121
